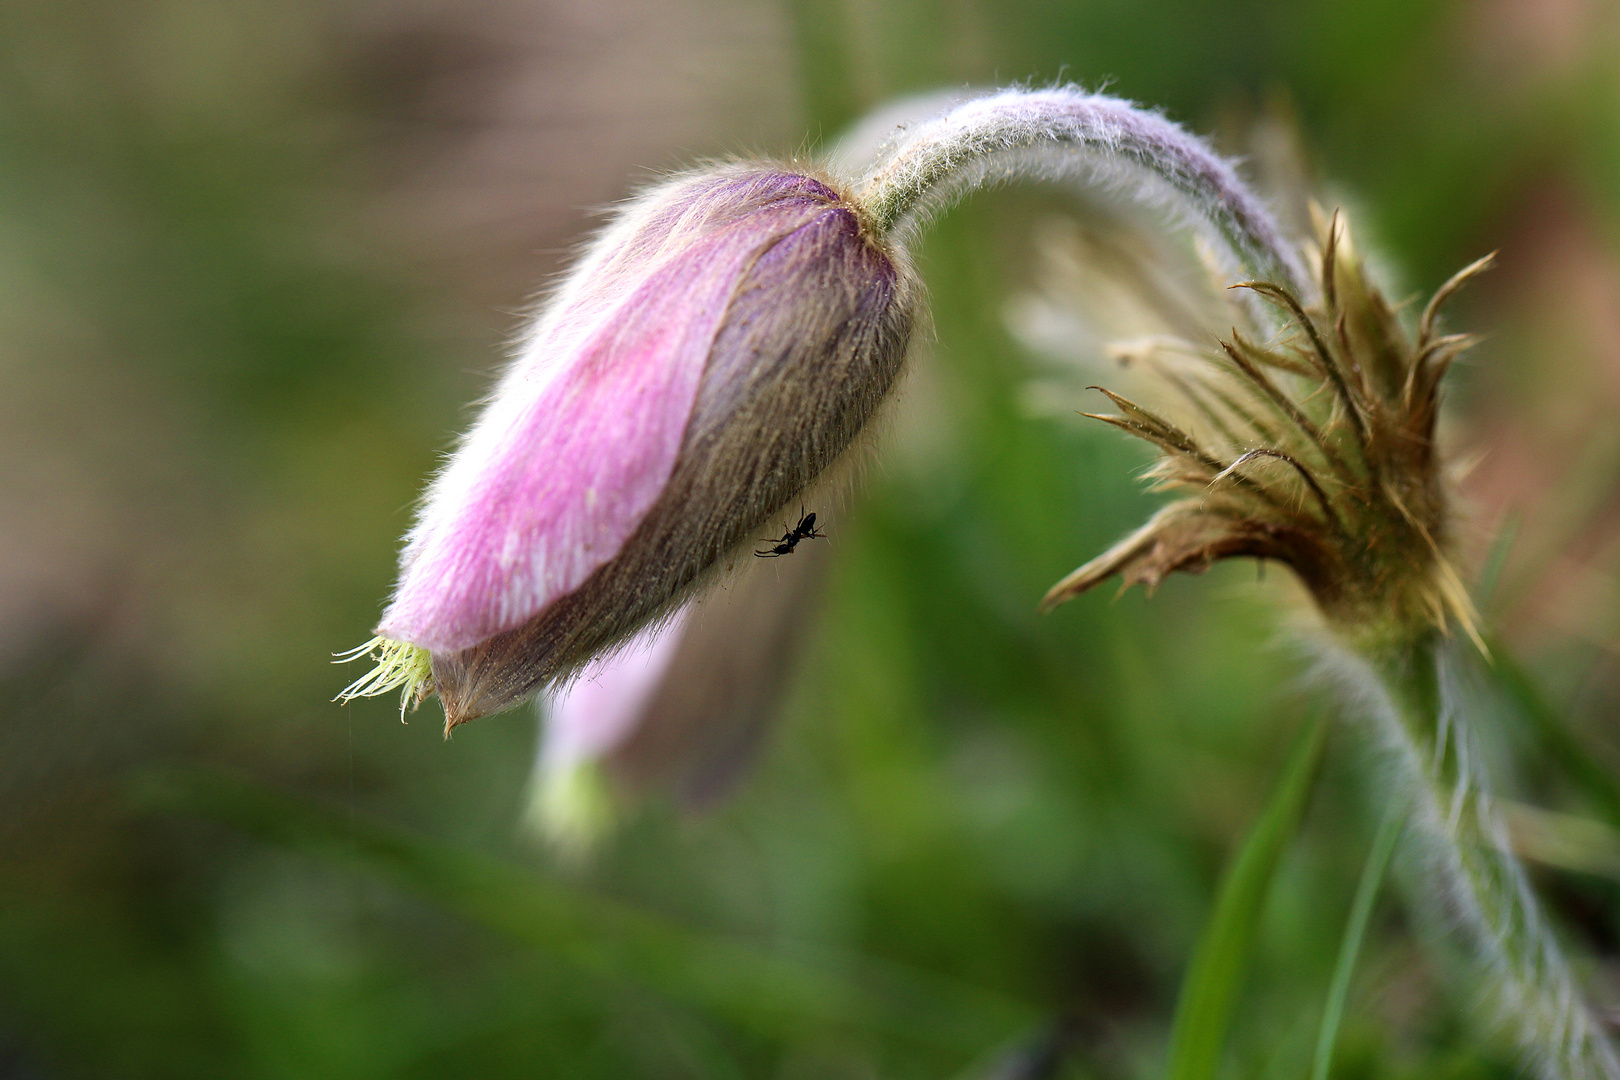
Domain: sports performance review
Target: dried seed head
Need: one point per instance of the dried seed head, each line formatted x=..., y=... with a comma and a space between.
x=1325, y=461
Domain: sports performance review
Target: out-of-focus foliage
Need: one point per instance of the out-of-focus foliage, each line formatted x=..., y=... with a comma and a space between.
x=253, y=259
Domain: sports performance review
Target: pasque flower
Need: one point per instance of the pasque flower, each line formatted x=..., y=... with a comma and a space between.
x=725, y=340
x=717, y=347
x=1316, y=448
x=720, y=344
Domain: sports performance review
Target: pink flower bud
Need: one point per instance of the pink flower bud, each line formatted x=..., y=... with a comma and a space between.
x=718, y=346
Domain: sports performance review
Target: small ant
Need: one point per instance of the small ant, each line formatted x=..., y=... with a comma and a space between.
x=804, y=530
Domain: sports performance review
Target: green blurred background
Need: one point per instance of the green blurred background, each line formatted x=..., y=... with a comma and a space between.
x=256, y=257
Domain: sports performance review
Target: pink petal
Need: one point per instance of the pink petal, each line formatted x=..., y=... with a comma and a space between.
x=581, y=436
x=593, y=715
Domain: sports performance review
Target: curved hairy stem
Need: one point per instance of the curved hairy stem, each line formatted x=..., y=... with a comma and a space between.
x=1065, y=134
x=1466, y=860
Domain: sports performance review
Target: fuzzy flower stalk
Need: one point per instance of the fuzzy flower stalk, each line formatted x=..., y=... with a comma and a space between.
x=1317, y=450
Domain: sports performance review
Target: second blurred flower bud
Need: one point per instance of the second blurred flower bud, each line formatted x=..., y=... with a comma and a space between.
x=680, y=710
x=714, y=350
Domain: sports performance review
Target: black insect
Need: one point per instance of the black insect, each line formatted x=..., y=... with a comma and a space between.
x=804, y=530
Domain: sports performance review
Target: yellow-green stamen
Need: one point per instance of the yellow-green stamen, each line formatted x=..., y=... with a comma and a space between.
x=400, y=665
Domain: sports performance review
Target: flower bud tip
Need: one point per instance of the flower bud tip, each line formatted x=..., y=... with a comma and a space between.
x=570, y=810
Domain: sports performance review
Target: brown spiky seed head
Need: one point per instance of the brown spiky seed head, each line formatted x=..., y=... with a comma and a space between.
x=1325, y=460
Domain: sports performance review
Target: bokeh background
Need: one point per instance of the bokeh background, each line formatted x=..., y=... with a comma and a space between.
x=256, y=258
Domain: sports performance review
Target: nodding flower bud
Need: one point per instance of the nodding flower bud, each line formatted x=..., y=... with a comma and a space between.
x=716, y=348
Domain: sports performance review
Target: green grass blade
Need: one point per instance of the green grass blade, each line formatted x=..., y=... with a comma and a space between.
x=1209, y=990
x=1372, y=880
x=1595, y=779
x=744, y=984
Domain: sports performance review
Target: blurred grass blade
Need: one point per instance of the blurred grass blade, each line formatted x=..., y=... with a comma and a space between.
x=1490, y=573
x=1372, y=881
x=746, y=985
x=826, y=78
x=1596, y=780
x=1566, y=841
x=1215, y=975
